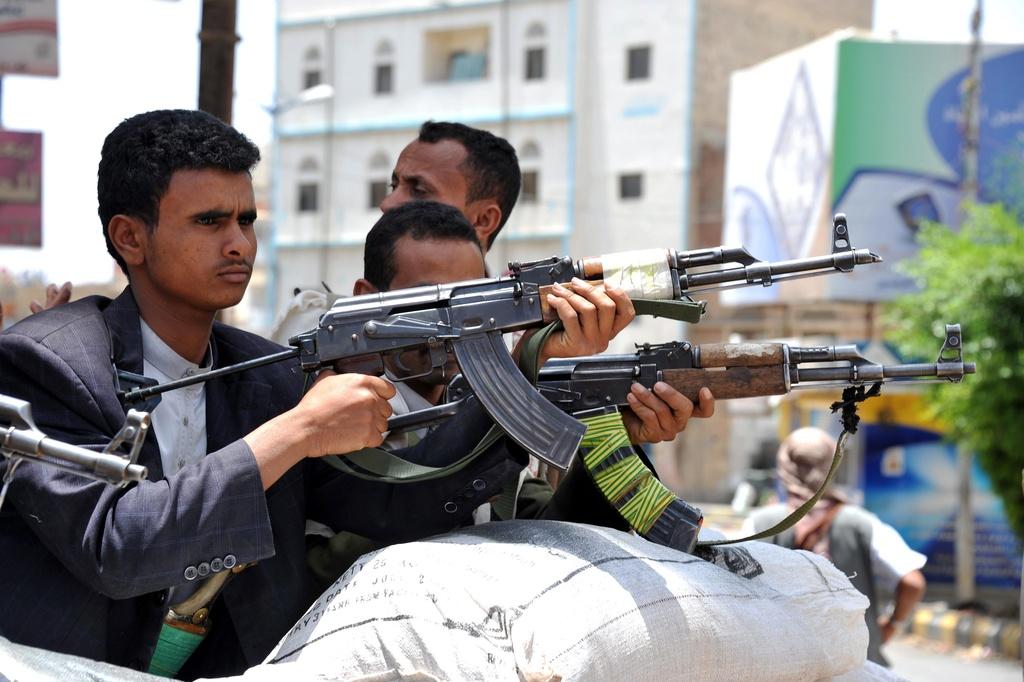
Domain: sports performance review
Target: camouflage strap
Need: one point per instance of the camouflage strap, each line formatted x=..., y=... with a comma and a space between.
x=651, y=509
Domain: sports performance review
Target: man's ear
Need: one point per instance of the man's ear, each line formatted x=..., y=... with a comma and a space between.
x=363, y=286
x=486, y=220
x=128, y=235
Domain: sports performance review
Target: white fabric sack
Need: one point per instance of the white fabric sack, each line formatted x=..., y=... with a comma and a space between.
x=543, y=600
x=302, y=314
x=870, y=672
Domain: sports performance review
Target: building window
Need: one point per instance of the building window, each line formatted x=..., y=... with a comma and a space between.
x=534, y=64
x=382, y=83
x=631, y=186
x=308, y=200
x=467, y=66
x=378, y=190
x=311, y=79
x=456, y=55
x=312, y=68
x=529, y=192
x=380, y=162
x=638, y=63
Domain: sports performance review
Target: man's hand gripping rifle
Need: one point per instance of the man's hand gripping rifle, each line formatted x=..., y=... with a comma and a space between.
x=372, y=332
x=21, y=440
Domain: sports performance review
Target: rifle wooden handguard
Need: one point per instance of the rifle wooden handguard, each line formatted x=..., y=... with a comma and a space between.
x=732, y=382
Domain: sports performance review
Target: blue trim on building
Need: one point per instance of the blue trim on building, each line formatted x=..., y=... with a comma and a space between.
x=415, y=123
x=520, y=237
x=381, y=14
x=641, y=111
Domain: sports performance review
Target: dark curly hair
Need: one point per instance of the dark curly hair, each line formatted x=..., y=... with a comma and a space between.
x=491, y=167
x=142, y=153
x=420, y=220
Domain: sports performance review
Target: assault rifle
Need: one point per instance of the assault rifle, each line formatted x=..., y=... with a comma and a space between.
x=21, y=440
x=468, y=319
x=730, y=370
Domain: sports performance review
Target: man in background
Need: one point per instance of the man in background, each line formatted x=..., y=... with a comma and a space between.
x=870, y=552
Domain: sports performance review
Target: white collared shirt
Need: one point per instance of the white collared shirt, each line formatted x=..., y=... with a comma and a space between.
x=179, y=421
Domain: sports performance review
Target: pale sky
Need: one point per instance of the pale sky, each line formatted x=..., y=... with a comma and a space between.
x=122, y=57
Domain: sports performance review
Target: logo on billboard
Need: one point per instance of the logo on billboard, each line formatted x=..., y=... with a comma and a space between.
x=796, y=168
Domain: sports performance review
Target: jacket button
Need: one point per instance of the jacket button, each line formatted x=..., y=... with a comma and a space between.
x=451, y=507
x=203, y=568
x=230, y=561
x=217, y=565
x=479, y=484
x=191, y=573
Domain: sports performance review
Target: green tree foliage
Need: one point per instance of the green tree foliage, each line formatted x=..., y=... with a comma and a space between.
x=975, y=277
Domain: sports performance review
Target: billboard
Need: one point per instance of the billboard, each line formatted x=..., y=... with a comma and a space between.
x=911, y=478
x=779, y=150
x=872, y=129
x=21, y=189
x=898, y=150
x=28, y=37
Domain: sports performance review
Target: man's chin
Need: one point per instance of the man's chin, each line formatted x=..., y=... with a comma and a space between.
x=229, y=299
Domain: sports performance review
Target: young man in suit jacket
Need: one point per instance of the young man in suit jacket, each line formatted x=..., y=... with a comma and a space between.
x=91, y=569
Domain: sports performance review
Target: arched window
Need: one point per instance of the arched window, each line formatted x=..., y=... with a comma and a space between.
x=529, y=162
x=312, y=68
x=535, y=53
x=384, y=69
x=308, y=189
x=529, y=150
x=536, y=31
x=380, y=161
x=380, y=174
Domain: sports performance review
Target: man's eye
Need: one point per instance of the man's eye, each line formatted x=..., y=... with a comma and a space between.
x=207, y=221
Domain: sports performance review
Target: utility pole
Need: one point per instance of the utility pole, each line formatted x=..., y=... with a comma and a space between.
x=965, y=536
x=217, y=39
x=972, y=109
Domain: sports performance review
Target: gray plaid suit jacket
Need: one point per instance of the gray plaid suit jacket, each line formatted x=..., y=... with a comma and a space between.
x=85, y=567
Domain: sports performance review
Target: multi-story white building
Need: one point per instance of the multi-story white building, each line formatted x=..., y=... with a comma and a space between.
x=593, y=95
x=613, y=106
